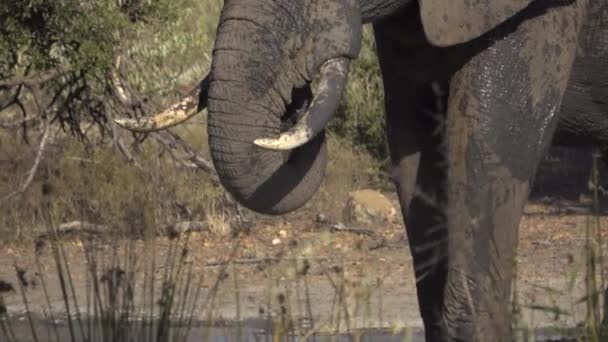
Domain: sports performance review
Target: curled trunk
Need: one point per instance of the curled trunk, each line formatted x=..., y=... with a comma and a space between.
x=249, y=98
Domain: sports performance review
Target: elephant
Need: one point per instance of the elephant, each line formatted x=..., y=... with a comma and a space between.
x=473, y=91
x=584, y=111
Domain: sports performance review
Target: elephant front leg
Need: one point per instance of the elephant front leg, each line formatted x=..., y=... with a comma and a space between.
x=419, y=175
x=501, y=117
x=415, y=105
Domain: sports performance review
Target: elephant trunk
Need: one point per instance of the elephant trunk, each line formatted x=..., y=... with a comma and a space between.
x=255, y=92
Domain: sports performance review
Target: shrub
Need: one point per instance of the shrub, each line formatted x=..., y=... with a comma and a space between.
x=360, y=117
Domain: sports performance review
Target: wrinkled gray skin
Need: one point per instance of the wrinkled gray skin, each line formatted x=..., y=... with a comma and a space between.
x=584, y=111
x=463, y=163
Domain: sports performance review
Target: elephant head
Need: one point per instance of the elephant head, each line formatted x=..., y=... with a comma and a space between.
x=265, y=57
x=265, y=123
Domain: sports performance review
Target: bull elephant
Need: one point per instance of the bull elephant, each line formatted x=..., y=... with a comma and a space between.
x=472, y=93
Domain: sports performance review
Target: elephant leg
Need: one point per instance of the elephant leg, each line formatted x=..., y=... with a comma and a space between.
x=418, y=173
x=427, y=234
x=414, y=107
x=502, y=113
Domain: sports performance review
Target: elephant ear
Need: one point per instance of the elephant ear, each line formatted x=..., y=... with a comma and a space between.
x=449, y=22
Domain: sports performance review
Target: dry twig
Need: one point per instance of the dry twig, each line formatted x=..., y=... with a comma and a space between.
x=32, y=172
x=36, y=80
x=379, y=240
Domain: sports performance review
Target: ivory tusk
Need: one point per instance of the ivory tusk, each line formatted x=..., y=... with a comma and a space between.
x=179, y=112
x=322, y=108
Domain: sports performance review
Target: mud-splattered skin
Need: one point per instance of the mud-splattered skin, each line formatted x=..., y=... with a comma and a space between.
x=473, y=89
x=467, y=126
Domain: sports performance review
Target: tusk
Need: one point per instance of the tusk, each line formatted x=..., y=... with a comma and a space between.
x=179, y=112
x=323, y=106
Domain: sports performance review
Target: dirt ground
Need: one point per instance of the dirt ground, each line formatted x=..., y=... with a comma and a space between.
x=294, y=267
x=375, y=270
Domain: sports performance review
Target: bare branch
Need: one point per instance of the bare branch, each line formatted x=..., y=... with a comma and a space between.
x=256, y=261
x=13, y=100
x=35, y=80
x=24, y=113
x=118, y=86
x=32, y=172
x=73, y=227
x=172, y=141
x=119, y=143
x=17, y=123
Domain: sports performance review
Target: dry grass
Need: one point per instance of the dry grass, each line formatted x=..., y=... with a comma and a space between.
x=93, y=183
x=96, y=184
x=217, y=220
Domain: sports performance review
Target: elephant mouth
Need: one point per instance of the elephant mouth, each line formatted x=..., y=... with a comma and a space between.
x=320, y=107
x=301, y=97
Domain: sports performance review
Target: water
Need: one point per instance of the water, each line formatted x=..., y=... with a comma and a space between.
x=247, y=331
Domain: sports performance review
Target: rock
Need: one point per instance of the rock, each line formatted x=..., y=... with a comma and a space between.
x=368, y=207
x=321, y=218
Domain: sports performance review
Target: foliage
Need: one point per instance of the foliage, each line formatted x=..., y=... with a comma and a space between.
x=176, y=55
x=360, y=118
x=65, y=63
x=38, y=35
x=55, y=56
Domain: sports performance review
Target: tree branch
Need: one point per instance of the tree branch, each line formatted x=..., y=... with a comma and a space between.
x=35, y=80
x=173, y=142
x=17, y=123
x=32, y=172
x=120, y=145
x=117, y=84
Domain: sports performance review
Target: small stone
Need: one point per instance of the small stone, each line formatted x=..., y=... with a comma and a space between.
x=321, y=218
x=283, y=233
x=276, y=241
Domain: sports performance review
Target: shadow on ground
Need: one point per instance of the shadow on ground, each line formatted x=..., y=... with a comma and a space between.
x=564, y=179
